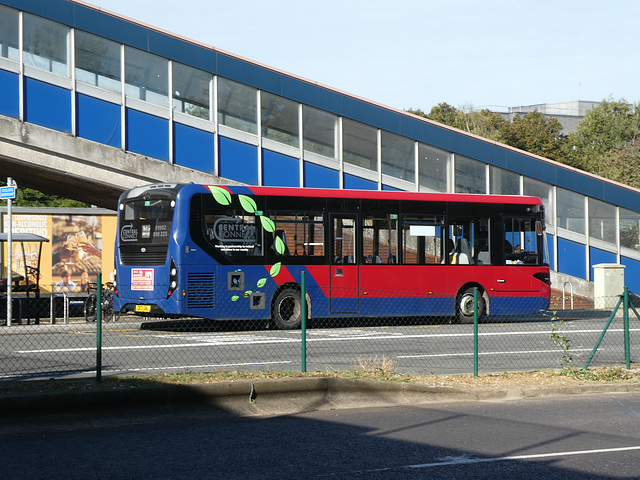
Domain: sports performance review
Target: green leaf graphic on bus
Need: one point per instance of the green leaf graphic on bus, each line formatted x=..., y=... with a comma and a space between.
x=235, y=298
x=221, y=195
x=247, y=203
x=268, y=224
x=275, y=270
x=261, y=283
x=280, y=247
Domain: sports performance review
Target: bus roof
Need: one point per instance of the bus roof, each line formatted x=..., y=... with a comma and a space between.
x=382, y=195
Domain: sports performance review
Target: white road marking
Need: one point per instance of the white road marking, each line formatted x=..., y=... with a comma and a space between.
x=469, y=354
x=312, y=337
x=468, y=461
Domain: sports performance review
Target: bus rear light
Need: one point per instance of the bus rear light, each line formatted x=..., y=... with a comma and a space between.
x=173, y=278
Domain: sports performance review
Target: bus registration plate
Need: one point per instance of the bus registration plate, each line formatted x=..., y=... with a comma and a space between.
x=143, y=308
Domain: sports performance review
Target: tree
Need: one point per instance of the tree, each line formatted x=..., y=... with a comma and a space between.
x=623, y=165
x=535, y=133
x=606, y=128
x=483, y=123
x=28, y=197
x=444, y=113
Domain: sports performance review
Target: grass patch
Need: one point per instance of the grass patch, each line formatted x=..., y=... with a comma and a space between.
x=366, y=368
x=604, y=374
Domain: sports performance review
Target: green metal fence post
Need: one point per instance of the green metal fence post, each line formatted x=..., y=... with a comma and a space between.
x=627, y=349
x=475, y=332
x=303, y=319
x=99, y=329
x=613, y=314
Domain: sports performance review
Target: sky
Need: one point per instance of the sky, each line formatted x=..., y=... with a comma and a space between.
x=418, y=53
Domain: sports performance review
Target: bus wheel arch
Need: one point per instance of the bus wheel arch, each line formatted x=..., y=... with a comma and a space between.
x=464, y=303
x=286, y=311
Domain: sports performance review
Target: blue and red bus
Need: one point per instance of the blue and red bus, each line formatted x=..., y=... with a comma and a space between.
x=238, y=252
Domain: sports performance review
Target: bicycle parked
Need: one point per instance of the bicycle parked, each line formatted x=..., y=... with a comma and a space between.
x=91, y=303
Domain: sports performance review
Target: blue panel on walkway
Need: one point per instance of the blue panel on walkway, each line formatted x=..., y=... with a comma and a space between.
x=356, y=183
x=280, y=170
x=580, y=182
x=10, y=98
x=238, y=161
x=531, y=167
x=621, y=196
x=193, y=148
x=597, y=256
x=99, y=121
x=430, y=134
x=390, y=188
x=113, y=28
x=147, y=135
x=313, y=95
x=631, y=274
x=57, y=10
x=316, y=176
x=250, y=74
x=572, y=258
x=371, y=114
x=480, y=150
x=47, y=105
x=182, y=51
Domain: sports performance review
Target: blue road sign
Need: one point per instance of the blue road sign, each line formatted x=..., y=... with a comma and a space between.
x=7, y=193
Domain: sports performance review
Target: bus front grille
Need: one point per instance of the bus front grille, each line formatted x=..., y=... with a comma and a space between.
x=201, y=290
x=150, y=256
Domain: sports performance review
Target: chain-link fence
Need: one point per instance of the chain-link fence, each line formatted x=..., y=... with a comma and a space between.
x=60, y=335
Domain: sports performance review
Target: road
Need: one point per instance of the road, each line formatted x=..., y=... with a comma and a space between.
x=197, y=346
x=580, y=437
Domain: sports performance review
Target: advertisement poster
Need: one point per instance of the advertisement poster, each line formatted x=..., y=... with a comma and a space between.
x=76, y=246
x=81, y=245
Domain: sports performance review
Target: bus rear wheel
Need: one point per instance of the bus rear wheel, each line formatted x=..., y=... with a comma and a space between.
x=464, y=306
x=287, y=309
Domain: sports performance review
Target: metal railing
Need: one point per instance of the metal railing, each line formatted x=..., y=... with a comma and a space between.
x=67, y=345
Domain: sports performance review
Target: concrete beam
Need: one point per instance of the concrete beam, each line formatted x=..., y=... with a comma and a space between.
x=60, y=164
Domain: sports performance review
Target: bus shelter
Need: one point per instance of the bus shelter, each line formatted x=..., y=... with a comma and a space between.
x=25, y=278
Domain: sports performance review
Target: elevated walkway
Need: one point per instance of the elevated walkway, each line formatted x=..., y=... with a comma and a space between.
x=72, y=167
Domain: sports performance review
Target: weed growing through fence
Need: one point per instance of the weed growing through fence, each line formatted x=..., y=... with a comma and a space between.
x=383, y=366
x=557, y=337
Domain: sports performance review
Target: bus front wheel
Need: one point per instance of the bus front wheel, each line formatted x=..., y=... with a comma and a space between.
x=464, y=306
x=287, y=310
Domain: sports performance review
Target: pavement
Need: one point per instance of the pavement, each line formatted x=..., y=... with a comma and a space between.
x=273, y=397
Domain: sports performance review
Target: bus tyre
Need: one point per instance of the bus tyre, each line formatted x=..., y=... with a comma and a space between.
x=464, y=306
x=287, y=310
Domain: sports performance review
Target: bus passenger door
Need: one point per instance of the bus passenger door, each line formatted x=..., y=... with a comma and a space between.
x=344, y=266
